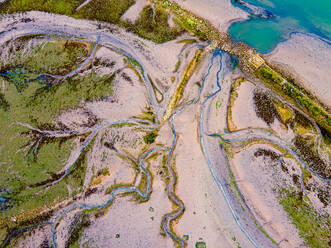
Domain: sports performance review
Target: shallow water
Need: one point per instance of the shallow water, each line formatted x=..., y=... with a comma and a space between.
x=291, y=16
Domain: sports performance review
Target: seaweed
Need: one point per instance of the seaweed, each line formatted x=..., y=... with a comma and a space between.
x=268, y=153
x=76, y=229
x=264, y=107
x=312, y=158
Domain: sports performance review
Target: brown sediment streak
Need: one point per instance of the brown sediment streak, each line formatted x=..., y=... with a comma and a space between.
x=175, y=98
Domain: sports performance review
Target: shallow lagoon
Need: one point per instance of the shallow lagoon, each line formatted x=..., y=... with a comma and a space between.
x=291, y=16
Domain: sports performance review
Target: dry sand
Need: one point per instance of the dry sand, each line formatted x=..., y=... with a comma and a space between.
x=138, y=224
x=221, y=13
x=129, y=100
x=244, y=114
x=206, y=215
x=259, y=194
x=310, y=58
x=133, y=12
x=243, y=109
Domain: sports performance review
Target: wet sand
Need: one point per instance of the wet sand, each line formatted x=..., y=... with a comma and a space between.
x=309, y=57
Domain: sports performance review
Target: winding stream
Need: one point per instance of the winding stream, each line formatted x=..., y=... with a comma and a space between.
x=100, y=38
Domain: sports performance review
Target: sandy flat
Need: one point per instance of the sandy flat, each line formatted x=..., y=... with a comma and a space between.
x=256, y=178
x=244, y=117
x=310, y=58
x=206, y=215
x=133, y=12
x=221, y=13
x=137, y=224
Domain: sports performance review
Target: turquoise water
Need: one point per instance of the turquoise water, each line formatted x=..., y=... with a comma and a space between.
x=306, y=16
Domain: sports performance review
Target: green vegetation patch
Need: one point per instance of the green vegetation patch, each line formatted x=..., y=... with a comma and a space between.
x=108, y=11
x=175, y=98
x=76, y=230
x=313, y=228
x=4, y=105
x=27, y=167
x=147, y=115
x=296, y=95
x=270, y=75
x=54, y=57
x=19, y=76
x=285, y=113
x=187, y=41
x=150, y=137
x=69, y=94
x=150, y=25
x=57, y=57
x=64, y=7
x=104, y=172
x=153, y=26
x=200, y=244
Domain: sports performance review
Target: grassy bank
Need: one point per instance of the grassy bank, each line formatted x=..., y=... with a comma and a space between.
x=313, y=228
x=152, y=25
x=108, y=11
x=175, y=98
x=290, y=91
x=26, y=167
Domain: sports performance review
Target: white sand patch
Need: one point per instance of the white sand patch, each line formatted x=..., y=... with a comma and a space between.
x=129, y=100
x=316, y=188
x=102, y=157
x=310, y=58
x=243, y=109
x=221, y=13
x=83, y=4
x=244, y=114
x=110, y=61
x=76, y=119
x=171, y=21
x=257, y=177
x=282, y=132
x=133, y=12
x=3, y=86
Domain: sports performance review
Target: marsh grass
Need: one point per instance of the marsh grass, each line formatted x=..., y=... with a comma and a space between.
x=25, y=173
x=69, y=94
x=4, y=105
x=313, y=228
x=68, y=55
x=150, y=26
x=76, y=230
x=150, y=137
x=153, y=27
x=108, y=11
